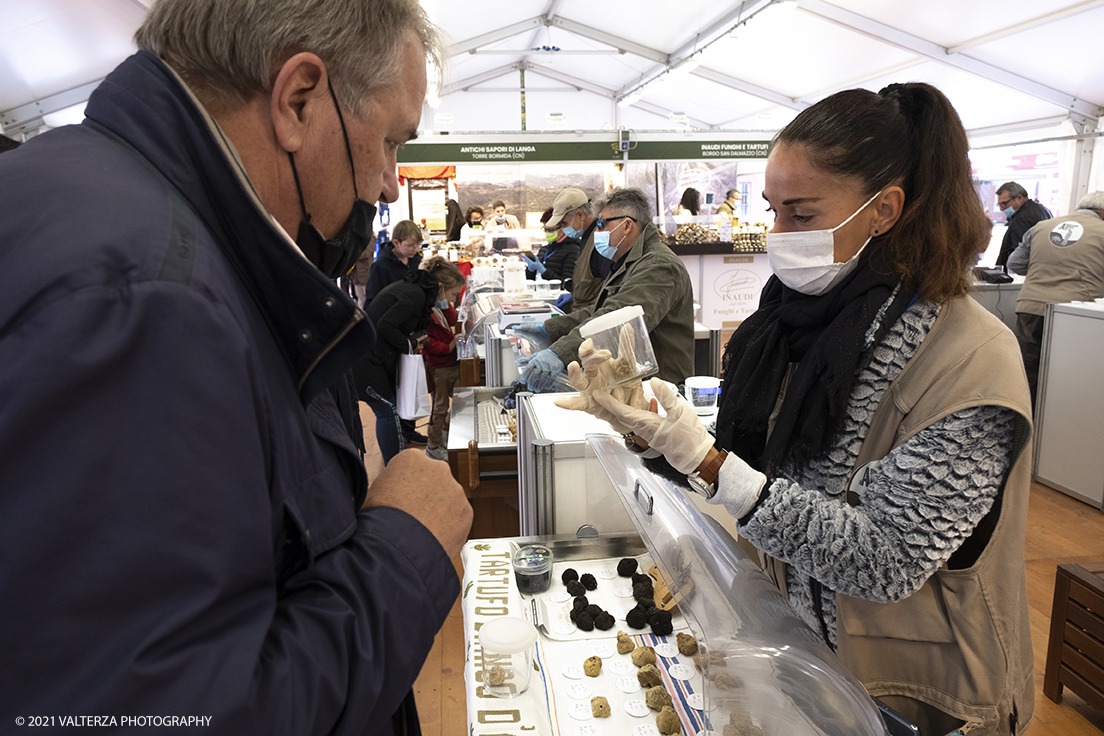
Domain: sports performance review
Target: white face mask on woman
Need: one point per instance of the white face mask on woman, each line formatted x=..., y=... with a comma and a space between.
x=805, y=260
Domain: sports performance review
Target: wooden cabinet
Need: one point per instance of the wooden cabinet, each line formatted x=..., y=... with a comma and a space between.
x=1075, y=654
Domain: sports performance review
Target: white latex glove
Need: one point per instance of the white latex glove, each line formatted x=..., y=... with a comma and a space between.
x=679, y=435
x=738, y=486
x=591, y=378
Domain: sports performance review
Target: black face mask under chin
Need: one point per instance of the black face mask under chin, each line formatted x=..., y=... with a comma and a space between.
x=334, y=257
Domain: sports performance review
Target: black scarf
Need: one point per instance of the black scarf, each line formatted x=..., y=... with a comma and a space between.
x=823, y=335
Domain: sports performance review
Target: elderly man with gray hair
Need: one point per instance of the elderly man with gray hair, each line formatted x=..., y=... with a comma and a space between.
x=1063, y=259
x=192, y=533
x=646, y=273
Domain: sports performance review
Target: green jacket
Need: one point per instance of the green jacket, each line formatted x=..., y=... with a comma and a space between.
x=653, y=277
x=724, y=208
x=584, y=285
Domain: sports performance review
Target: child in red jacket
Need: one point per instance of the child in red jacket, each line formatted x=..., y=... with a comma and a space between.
x=443, y=368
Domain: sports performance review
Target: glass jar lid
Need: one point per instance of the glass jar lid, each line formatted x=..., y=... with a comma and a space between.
x=507, y=635
x=532, y=559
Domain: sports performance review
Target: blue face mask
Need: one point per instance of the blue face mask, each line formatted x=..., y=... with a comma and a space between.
x=1008, y=211
x=602, y=245
x=442, y=304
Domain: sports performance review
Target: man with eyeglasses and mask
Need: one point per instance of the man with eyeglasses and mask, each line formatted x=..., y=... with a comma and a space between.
x=1022, y=213
x=181, y=447
x=645, y=272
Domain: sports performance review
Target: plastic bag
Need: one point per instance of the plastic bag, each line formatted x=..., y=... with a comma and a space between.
x=412, y=394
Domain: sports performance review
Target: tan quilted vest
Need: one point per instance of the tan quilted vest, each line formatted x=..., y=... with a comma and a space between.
x=961, y=643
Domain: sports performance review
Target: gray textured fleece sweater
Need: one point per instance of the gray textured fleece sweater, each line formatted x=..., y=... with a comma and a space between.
x=922, y=501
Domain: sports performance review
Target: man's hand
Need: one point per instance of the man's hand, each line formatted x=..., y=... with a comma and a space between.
x=425, y=489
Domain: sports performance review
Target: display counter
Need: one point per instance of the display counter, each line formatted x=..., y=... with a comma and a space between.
x=757, y=669
x=1069, y=411
x=488, y=469
x=999, y=299
x=561, y=484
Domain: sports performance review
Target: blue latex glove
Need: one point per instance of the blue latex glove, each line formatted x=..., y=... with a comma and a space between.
x=534, y=333
x=563, y=301
x=532, y=264
x=542, y=370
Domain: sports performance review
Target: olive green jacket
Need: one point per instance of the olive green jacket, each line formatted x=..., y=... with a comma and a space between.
x=584, y=284
x=653, y=277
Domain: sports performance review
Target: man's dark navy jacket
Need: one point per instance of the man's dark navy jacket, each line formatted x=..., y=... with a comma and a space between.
x=179, y=492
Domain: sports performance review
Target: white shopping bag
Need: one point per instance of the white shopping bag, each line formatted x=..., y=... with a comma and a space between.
x=412, y=393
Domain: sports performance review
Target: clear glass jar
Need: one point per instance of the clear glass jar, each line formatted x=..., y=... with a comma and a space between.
x=507, y=645
x=533, y=569
x=623, y=333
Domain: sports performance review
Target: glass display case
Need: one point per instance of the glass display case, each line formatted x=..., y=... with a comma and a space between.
x=765, y=671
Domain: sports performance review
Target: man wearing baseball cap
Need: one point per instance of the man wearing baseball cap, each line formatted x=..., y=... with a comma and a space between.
x=571, y=209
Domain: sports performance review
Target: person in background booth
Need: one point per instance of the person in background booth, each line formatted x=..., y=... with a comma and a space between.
x=873, y=436
x=645, y=273
x=1022, y=213
x=473, y=226
x=401, y=314
x=556, y=258
x=1063, y=261
x=500, y=220
x=728, y=207
x=210, y=545
x=571, y=212
x=442, y=362
x=454, y=220
x=396, y=258
x=690, y=204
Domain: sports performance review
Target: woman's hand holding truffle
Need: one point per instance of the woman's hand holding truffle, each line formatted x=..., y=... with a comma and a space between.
x=679, y=435
x=591, y=378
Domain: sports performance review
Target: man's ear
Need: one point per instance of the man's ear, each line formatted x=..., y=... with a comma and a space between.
x=299, y=92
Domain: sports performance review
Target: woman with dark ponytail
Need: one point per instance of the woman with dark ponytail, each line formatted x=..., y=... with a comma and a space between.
x=873, y=433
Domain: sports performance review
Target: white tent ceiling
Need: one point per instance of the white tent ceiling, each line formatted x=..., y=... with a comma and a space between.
x=1005, y=64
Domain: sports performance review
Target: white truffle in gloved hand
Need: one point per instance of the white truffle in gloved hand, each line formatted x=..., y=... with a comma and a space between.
x=592, y=377
x=679, y=435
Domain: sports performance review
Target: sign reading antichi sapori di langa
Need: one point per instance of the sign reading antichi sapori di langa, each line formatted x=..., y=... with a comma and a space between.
x=521, y=150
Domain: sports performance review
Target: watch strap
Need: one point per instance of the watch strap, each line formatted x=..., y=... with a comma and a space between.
x=709, y=473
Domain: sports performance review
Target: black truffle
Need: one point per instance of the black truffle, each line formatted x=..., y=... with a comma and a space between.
x=584, y=621
x=579, y=604
x=588, y=581
x=575, y=588
x=568, y=575
x=636, y=618
x=593, y=609
x=603, y=621
x=626, y=567
x=660, y=622
x=643, y=592
x=641, y=578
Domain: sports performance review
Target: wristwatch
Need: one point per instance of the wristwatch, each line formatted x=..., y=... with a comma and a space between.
x=704, y=481
x=630, y=443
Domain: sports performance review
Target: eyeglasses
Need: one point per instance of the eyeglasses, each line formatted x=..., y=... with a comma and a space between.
x=1006, y=203
x=602, y=221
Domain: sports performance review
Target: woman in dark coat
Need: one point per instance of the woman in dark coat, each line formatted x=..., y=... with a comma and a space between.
x=400, y=314
x=454, y=220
